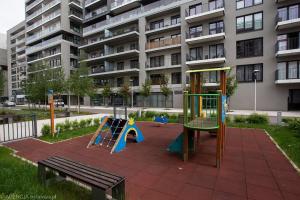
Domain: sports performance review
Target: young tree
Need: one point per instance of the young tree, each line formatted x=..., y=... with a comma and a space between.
x=106, y=93
x=164, y=88
x=125, y=92
x=231, y=86
x=146, y=90
x=80, y=84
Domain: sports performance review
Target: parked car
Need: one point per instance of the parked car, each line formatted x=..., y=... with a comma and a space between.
x=9, y=104
x=59, y=103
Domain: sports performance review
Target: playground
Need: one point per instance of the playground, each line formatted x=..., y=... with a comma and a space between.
x=252, y=166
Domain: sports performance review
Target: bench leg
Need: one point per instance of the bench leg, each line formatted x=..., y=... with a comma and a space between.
x=42, y=174
x=98, y=194
x=118, y=192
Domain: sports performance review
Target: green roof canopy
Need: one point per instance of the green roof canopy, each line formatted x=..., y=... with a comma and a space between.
x=208, y=70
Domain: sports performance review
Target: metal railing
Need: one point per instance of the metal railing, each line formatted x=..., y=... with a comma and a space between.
x=149, y=28
x=201, y=111
x=164, y=43
x=95, y=13
x=79, y=3
x=205, y=57
x=14, y=127
x=290, y=43
x=287, y=74
x=43, y=44
x=194, y=34
x=206, y=7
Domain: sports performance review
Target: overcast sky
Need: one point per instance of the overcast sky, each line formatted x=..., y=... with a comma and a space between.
x=12, y=12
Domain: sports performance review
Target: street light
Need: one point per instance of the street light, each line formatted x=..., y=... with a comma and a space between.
x=131, y=80
x=255, y=78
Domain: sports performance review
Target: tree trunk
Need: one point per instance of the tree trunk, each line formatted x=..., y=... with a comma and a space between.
x=78, y=101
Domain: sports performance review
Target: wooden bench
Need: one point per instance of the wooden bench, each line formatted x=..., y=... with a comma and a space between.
x=101, y=182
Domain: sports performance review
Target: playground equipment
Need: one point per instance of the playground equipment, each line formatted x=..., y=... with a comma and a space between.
x=113, y=133
x=202, y=112
x=161, y=119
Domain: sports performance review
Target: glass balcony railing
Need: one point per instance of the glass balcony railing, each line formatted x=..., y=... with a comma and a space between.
x=43, y=33
x=149, y=28
x=164, y=43
x=190, y=57
x=43, y=44
x=206, y=7
x=111, y=51
x=77, y=2
x=287, y=74
x=135, y=13
x=35, y=3
x=76, y=13
x=117, y=3
x=43, y=9
x=95, y=13
x=288, y=44
x=44, y=20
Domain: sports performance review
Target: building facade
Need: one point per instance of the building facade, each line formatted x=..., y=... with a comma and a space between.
x=130, y=41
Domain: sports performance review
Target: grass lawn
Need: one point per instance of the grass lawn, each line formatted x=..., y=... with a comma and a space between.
x=69, y=134
x=286, y=138
x=19, y=181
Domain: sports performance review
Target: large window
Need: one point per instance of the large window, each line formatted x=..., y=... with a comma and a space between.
x=215, y=4
x=195, y=31
x=156, y=79
x=176, y=78
x=216, y=27
x=134, y=64
x=176, y=59
x=288, y=70
x=288, y=41
x=195, y=9
x=175, y=19
x=157, y=61
x=216, y=51
x=249, y=48
x=245, y=73
x=247, y=3
x=288, y=12
x=157, y=24
x=249, y=22
x=196, y=54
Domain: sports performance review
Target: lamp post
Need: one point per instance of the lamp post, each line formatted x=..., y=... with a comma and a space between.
x=131, y=80
x=255, y=78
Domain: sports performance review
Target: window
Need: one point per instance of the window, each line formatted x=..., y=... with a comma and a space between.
x=249, y=22
x=176, y=78
x=120, y=65
x=195, y=31
x=216, y=51
x=135, y=80
x=157, y=61
x=175, y=19
x=120, y=49
x=134, y=64
x=176, y=59
x=215, y=4
x=157, y=24
x=195, y=9
x=249, y=48
x=120, y=82
x=288, y=41
x=288, y=12
x=288, y=70
x=133, y=46
x=247, y=3
x=196, y=54
x=245, y=73
x=155, y=79
x=216, y=27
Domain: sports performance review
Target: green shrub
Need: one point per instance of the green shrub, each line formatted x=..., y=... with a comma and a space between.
x=287, y=119
x=150, y=114
x=257, y=119
x=239, y=119
x=60, y=126
x=228, y=119
x=67, y=125
x=46, y=130
x=96, y=122
x=294, y=124
x=173, y=117
x=75, y=125
x=88, y=122
x=82, y=123
x=133, y=115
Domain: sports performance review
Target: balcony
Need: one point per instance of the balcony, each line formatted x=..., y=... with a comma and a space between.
x=119, y=6
x=91, y=3
x=75, y=15
x=43, y=21
x=95, y=13
x=168, y=43
x=154, y=68
x=282, y=77
x=43, y=57
x=286, y=23
x=199, y=61
x=32, y=5
x=76, y=4
x=43, y=33
x=206, y=12
x=198, y=38
x=121, y=34
x=112, y=70
x=43, y=9
x=43, y=45
x=113, y=54
x=290, y=47
x=165, y=27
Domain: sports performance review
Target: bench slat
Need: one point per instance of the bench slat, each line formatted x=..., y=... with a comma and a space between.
x=73, y=174
x=99, y=176
x=109, y=175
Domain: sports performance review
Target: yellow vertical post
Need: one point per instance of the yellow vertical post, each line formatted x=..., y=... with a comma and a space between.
x=51, y=103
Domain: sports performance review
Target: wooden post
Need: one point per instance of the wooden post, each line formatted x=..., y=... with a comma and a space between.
x=51, y=102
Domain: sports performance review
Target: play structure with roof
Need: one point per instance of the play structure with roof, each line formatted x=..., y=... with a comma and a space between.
x=113, y=133
x=202, y=112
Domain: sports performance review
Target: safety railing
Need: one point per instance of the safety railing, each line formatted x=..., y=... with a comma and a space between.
x=201, y=111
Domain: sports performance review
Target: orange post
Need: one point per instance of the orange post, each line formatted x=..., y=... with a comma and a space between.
x=51, y=103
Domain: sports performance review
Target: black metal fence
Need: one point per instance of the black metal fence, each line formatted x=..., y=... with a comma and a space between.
x=14, y=127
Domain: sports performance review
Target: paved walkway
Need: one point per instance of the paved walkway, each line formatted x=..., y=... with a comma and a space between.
x=253, y=168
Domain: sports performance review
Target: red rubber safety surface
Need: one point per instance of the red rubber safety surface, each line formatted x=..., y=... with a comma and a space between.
x=252, y=168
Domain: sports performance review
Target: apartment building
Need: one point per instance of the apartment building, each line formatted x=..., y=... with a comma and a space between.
x=128, y=41
x=3, y=66
x=53, y=30
x=16, y=59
